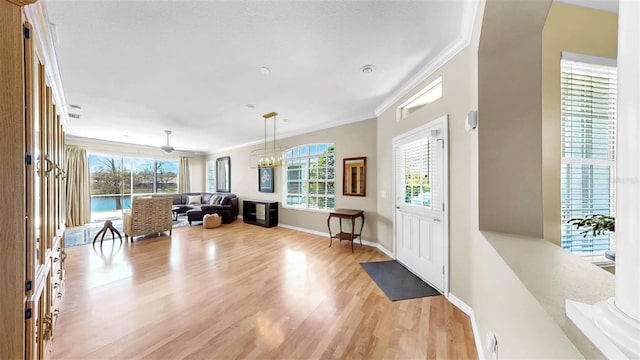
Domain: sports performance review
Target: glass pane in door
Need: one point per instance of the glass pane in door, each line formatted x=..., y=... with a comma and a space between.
x=417, y=172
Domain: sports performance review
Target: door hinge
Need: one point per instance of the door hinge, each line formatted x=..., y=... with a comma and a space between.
x=27, y=32
x=442, y=206
x=443, y=270
x=27, y=159
x=27, y=314
x=27, y=286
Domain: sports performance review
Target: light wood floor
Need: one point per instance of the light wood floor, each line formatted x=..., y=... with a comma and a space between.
x=242, y=291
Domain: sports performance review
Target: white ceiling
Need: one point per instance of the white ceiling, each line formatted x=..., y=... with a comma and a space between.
x=139, y=67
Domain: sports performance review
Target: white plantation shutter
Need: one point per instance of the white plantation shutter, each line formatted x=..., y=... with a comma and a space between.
x=588, y=126
x=420, y=177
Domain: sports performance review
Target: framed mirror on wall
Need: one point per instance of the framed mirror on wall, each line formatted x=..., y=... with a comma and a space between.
x=223, y=174
x=354, y=176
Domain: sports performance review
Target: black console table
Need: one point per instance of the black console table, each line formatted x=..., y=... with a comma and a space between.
x=252, y=212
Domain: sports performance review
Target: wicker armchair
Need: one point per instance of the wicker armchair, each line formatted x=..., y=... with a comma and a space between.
x=148, y=215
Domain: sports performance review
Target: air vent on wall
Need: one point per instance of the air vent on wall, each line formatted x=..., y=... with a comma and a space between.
x=74, y=111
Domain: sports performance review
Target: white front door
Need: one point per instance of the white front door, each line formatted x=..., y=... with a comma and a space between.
x=420, y=226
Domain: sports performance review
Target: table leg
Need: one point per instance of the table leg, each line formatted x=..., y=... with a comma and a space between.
x=108, y=226
x=361, y=227
x=329, y=226
x=353, y=228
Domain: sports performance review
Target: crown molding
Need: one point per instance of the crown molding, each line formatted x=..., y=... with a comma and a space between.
x=36, y=14
x=354, y=119
x=469, y=10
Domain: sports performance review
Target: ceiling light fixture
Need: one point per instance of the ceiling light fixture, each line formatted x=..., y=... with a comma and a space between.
x=368, y=69
x=251, y=106
x=265, y=70
x=267, y=157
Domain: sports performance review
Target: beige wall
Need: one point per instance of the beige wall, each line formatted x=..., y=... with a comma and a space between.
x=196, y=162
x=507, y=169
x=458, y=98
x=355, y=139
x=503, y=305
x=510, y=134
x=578, y=30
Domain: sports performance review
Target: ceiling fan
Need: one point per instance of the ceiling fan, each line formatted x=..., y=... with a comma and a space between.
x=167, y=147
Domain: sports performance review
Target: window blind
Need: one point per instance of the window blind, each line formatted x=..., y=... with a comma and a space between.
x=588, y=130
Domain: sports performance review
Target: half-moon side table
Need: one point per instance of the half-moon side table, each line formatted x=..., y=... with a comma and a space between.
x=346, y=214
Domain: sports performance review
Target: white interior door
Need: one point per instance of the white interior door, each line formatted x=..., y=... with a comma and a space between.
x=420, y=226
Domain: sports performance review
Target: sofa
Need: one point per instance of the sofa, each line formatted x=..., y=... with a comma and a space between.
x=197, y=205
x=148, y=215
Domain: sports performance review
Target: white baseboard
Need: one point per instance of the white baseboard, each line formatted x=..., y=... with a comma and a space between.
x=326, y=234
x=376, y=245
x=474, y=326
x=308, y=231
x=460, y=304
x=476, y=336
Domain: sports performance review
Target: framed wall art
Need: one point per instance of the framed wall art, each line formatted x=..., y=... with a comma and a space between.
x=265, y=180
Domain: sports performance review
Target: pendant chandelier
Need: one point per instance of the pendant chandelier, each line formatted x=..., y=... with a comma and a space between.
x=268, y=156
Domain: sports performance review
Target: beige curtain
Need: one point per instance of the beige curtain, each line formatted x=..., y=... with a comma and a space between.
x=78, y=187
x=183, y=176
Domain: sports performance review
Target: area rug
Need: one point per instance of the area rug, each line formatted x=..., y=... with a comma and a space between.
x=85, y=234
x=396, y=281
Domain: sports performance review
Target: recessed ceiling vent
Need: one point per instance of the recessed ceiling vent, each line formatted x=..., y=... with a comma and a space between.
x=74, y=111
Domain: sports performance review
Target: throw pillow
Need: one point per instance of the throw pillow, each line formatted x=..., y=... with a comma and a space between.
x=195, y=199
x=221, y=200
x=214, y=200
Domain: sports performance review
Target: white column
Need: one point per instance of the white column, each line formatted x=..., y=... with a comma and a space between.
x=613, y=325
x=628, y=161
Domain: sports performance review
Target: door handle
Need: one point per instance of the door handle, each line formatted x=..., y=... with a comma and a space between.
x=398, y=207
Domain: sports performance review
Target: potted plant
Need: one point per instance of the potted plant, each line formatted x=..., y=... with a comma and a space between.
x=596, y=224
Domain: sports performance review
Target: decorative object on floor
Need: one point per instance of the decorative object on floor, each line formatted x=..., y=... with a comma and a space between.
x=107, y=227
x=354, y=176
x=211, y=221
x=267, y=157
x=265, y=180
x=223, y=174
x=396, y=281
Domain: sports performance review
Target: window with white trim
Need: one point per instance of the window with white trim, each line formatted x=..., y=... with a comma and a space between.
x=429, y=94
x=309, y=177
x=588, y=135
x=211, y=176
